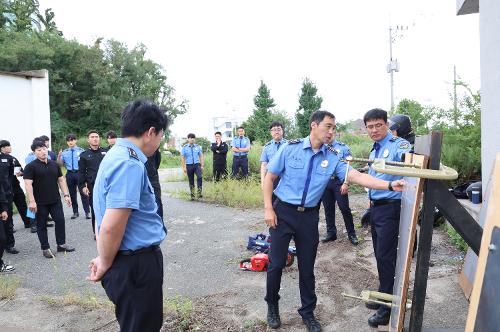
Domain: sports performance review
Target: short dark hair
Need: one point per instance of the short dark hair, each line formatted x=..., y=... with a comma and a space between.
x=70, y=137
x=140, y=115
x=37, y=143
x=111, y=134
x=191, y=135
x=4, y=143
x=92, y=131
x=375, y=114
x=319, y=116
x=240, y=127
x=275, y=124
x=44, y=138
x=218, y=133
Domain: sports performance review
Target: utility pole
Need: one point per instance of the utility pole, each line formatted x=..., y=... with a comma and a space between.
x=393, y=65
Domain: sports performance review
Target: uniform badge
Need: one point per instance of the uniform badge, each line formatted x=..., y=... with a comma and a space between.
x=338, y=151
x=404, y=145
x=386, y=153
x=324, y=163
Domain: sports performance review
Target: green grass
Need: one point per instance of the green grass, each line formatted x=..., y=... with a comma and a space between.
x=8, y=286
x=87, y=301
x=182, y=311
x=230, y=192
x=170, y=161
x=455, y=238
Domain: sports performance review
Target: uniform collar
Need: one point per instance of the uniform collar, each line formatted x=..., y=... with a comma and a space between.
x=128, y=144
x=306, y=143
x=280, y=141
x=385, y=139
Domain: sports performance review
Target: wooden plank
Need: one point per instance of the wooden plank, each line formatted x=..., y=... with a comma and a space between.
x=410, y=205
x=480, y=298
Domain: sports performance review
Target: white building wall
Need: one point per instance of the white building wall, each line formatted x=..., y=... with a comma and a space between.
x=24, y=111
x=489, y=27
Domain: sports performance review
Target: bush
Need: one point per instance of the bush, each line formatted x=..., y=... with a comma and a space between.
x=170, y=161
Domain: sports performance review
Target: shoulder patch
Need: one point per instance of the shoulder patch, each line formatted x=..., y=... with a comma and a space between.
x=132, y=153
x=295, y=141
x=404, y=145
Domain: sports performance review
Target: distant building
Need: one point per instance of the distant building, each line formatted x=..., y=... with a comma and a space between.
x=173, y=142
x=24, y=109
x=226, y=126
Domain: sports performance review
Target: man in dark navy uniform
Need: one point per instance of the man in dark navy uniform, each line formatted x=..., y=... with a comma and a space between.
x=129, y=230
x=88, y=165
x=4, y=268
x=385, y=208
x=219, y=149
x=305, y=166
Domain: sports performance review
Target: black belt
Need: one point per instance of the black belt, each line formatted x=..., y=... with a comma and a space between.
x=379, y=202
x=71, y=171
x=239, y=157
x=299, y=208
x=193, y=164
x=139, y=251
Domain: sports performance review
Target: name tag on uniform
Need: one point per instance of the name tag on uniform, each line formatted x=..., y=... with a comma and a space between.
x=103, y=153
x=4, y=160
x=386, y=153
x=324, y=163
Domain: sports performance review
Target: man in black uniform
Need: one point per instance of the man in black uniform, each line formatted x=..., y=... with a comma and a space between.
x=3, y=218
x=219, y=148
x=152, y=166
x=43, y=179
x=7, y=166
x=88, y=165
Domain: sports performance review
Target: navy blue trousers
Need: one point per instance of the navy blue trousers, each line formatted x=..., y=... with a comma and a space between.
x=191, y=170
x=303, y=227
x=8, y=225
x=240, y=163
x=72, y=182
x=385, y=230
x=135, y=285
x=330, y=196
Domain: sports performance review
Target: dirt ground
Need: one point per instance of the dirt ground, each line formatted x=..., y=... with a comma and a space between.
x=239, y=306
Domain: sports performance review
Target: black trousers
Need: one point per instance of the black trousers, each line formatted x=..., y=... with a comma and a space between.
x=330, y=196
x=191, y=170
x=384, y=221
x=303, y=227
x=3, y=240
x=20, y=202
x=8, y=226
x=56, y=211
x=240, y=163
x=91, y=198
x=159, y=211
x=220, y=171
x=135, y=285
x=72, y=181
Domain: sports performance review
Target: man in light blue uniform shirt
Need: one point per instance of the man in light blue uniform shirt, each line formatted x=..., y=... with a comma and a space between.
x=193, y=162
x=129, y=231
x=240, y=148
x=305, y=166
x=385, y=208
x=337, y=191
x=69, y=158
x=276, y=129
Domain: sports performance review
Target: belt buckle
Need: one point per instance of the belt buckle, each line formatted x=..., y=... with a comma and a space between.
x=301, y=208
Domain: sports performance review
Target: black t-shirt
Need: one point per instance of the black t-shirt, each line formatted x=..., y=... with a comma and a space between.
x=44, y=176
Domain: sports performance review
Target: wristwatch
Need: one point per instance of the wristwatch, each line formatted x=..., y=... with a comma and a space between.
x=390, y=186
x=66, y=195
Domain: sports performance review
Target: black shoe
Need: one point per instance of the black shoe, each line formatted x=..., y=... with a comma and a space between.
x=50, y=224
x=27, y=226
x=354, y=239
x=50, y=219
x=372, y=305
x=75, y=215
x=381, y=317
x=13, y=231
x=12, y=250
x=329, y=238
x=312, y=324
x=273, y=316
x=33, y=229
x=65, y=248
x=87, y=216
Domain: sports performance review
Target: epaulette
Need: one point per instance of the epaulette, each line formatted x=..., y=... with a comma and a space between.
x=295, y=141
x=331, y=149
x=393, y=139
x=340, y=143
x=268, y=143
x=132, y=153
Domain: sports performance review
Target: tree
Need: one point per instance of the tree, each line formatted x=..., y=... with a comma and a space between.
x=204, y=143
x=257, y=125
x=419, y=116
x=308, y=104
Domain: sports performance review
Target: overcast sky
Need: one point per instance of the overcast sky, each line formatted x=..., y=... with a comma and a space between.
x=216, y=52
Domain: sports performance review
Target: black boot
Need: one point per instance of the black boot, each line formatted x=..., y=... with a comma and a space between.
x=273, y=316
x=381, y=317
x=199, y=193
x=312, y=324
x=191, y=189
